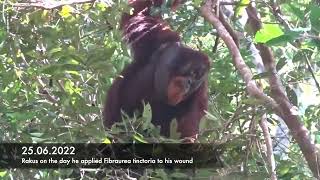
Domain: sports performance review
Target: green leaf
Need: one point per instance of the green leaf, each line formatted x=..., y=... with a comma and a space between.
x=80, y=104
x=317, y=137
x=178, y=175
x=139, y=138
x=174, y=134
x=281, y=63
x=147, y=112
x=3, y=173
x=313, y=43
x=2, y=34
x=197, y=2
x=268, y=32
x=36, y=134
x=289, y=36
x=299, y=56
x=101, y=66
x=97, y=54
x=102, y=6
x=203, y=124
x=292, y=96
x=315, y=18
x=21, y=116
x=296, y=11
x=242, y=5
x=61, y=68
x=280, y=40
x=66, y=11
x=263, y=75
x=37, y=140
x=106, y=141
x=284, y=169
x=55, y=50
x=146, y=116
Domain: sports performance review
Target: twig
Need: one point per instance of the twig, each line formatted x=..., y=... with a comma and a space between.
x=42, y=87
x=49, y=4
x=216, y=43
x=311, y=37
x=228, y=28
x=275, y=8
x=215, y=47
x=312, y=73
x=251, y=141
x=267, y=138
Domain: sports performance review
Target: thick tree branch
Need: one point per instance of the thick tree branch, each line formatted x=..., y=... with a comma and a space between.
x=238, y=61
x=299, y=132
x=282, y=106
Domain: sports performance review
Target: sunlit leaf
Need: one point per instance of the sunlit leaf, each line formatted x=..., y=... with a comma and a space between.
x=263, y=75
x=3, y=173
x=102, y=6
x=268, y=32
x=242, y=5
x=106, y=141
x=288, y=36
x=139, y=138
x=36, y=134
x=66, y=11
x=37, y=140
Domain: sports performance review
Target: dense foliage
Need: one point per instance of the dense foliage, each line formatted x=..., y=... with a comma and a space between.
x=57, y=64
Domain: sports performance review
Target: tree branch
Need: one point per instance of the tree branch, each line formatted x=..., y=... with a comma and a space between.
x=299, y=132
x=228, y=27
x=312, y=73
x=238, y=61
x=267, y=138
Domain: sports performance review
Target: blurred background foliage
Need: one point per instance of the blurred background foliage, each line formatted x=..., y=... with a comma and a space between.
x=57, y=65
